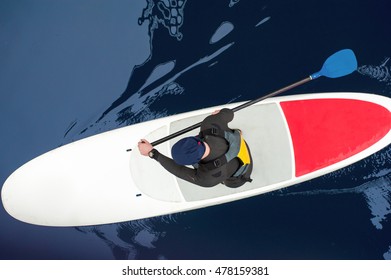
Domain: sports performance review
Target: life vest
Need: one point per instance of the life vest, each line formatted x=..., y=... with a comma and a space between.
x=237, y=149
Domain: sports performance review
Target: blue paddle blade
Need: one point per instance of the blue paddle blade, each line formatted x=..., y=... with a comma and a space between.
x=340, y=64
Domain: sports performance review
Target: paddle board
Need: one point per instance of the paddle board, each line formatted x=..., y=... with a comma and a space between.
x=292, y=139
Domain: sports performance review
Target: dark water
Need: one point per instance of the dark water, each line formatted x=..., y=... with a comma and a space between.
x=268, y=44
x=311, y=224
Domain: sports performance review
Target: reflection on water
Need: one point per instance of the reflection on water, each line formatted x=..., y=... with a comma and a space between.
x=159, y=77
x=134, y=239
x=381, y=72
x=376, y=192
x=387, y=255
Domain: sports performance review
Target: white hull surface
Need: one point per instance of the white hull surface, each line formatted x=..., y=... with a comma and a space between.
x=292, y=139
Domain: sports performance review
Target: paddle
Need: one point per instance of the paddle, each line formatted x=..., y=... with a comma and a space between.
x=337, y=65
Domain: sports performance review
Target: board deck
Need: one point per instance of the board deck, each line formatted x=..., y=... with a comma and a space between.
x=292, y=139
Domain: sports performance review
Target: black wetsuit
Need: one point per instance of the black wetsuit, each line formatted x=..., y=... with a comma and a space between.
x=218, y=146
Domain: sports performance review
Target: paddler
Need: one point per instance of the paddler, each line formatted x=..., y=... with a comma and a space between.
x=218, y=154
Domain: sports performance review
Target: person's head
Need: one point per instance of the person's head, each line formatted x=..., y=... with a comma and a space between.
x=188, y=151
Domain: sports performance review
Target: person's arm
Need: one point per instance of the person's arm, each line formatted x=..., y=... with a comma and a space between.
x=180, y=171
x=227, y=115
x=220, y=117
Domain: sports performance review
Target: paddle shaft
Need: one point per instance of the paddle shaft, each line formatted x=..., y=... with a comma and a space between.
x=337, y=65
x=240, y=107
x=274, y=93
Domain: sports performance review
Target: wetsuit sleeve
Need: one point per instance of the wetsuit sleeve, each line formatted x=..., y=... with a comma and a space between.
x=221, y=119
x=227, y=115
x=180, y=171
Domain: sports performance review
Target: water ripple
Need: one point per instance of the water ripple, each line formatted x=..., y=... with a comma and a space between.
x=134, y=239
x=382, y=73
x=376, y=192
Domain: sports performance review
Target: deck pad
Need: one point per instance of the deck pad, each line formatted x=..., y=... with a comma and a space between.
x=264, y=129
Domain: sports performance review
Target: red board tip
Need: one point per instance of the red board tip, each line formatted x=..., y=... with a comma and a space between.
x=327, y=131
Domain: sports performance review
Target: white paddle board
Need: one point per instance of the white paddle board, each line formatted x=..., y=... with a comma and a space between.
x=292, y=139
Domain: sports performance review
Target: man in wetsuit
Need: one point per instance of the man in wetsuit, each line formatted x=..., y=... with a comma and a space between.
x=204, y=152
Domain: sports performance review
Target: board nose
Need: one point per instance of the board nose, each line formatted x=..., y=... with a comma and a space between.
x=327, y=131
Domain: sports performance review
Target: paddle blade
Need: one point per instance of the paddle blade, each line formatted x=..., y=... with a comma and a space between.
x=340, y=64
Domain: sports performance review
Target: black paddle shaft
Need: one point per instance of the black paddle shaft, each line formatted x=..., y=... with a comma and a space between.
x=235, y=109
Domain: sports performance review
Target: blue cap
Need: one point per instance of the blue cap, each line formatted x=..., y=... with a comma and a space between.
x=188, y=151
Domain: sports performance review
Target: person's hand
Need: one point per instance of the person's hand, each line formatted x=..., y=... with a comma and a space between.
x=144, y=147
x=216, y=112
